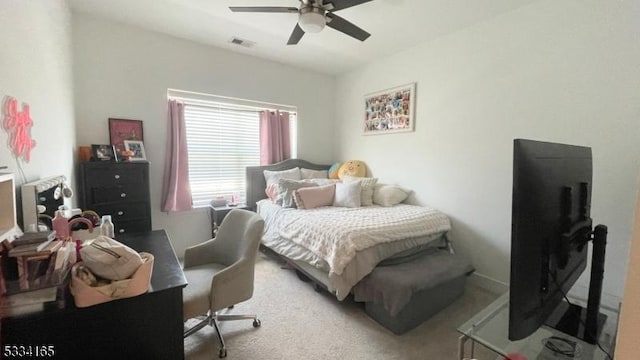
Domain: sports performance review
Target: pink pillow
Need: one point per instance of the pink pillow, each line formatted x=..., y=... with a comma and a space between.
x=272, y=192
x=313, y=197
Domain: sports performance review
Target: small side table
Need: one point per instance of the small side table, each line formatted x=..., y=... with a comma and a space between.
x=219, y=212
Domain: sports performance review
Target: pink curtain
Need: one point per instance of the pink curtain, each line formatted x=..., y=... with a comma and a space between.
x=176, y=193
x=275, y=141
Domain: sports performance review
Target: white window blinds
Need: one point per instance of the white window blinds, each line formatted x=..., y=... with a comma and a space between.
x=222, y=140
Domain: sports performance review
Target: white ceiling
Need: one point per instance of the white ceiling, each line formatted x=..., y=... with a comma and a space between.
x=394, y=25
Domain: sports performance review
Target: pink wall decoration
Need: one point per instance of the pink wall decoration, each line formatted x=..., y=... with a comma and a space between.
x=18, y=124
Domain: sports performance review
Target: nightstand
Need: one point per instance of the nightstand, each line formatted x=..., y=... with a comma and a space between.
x=219, y=212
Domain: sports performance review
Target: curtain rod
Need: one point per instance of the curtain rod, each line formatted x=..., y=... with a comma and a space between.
x=252, y=110
x=186, y=95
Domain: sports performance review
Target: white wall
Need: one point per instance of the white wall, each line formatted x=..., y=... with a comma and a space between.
x=124, y=72
x=563, y=71
x=35, y=68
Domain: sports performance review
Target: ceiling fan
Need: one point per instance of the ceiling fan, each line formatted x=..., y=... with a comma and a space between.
x=313, y=15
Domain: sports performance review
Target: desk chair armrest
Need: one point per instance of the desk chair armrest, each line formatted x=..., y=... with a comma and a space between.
x=203, y=253
x=232, y=285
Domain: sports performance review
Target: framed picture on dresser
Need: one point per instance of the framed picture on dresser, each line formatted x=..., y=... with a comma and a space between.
x=137, y=148
x=103, y=152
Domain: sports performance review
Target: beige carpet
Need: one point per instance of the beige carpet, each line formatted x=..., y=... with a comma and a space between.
x=299, y=323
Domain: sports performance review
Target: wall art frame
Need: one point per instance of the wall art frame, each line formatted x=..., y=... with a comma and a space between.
x=390, y=111
x=124, y=129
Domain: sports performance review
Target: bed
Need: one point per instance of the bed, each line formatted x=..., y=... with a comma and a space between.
x=360, y=250
x=359, y=238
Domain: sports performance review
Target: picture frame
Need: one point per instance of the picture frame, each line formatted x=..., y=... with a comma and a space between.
x=124, y=129
x=390, y=111
x=103, y=152
x=137, y=147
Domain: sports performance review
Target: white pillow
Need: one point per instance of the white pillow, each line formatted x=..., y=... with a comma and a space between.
x=348, y=194
x=368, y=184
x=389, y=195
x=272, y=177
x=313, y=174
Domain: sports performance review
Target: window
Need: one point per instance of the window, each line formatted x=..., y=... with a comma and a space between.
x=223, y=138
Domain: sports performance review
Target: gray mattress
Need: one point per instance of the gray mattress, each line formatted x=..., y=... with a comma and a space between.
x=400, y=296
x=423, y=305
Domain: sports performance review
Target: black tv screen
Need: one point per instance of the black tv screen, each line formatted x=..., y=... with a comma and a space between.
x=551, y=198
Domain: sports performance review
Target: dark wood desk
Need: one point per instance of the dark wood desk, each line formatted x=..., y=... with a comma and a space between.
x=149, y=326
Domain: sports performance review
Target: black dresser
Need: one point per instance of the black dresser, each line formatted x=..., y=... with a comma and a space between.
x=117, y=189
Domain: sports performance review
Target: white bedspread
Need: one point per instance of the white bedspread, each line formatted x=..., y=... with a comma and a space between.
x=337, y=234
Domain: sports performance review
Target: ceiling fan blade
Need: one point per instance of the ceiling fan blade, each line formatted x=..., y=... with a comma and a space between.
x=340, y=24
x=266, y=9
x=296, y=35
x=343, y=4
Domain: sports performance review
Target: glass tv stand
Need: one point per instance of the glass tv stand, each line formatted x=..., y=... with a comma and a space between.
x=489, y=328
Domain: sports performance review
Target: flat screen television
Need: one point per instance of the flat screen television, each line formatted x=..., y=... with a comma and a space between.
x=550, y=231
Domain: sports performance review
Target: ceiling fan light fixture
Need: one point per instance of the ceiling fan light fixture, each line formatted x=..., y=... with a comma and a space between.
x=312, y=21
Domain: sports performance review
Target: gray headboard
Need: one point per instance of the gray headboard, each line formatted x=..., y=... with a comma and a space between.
x=256, y=182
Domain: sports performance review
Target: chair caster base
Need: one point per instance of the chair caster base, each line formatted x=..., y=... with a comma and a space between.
x=222, y=353
x=256, y=323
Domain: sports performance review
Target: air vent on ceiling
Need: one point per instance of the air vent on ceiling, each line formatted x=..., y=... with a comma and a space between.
x=242, y=42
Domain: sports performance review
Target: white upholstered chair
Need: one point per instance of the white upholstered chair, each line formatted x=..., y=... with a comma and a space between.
x=220, y=272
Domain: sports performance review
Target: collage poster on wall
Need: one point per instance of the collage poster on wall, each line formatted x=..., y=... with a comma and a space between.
x=390, y=111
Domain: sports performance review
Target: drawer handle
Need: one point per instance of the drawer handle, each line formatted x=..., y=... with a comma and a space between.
x=120, y=212
x=117, y=176
x=123, y=195
x=121, y=231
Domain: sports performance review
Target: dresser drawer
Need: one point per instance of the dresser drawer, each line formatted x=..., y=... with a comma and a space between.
x=125, y=227
x=125, y=192
x=124, y=211
x=114, y=175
